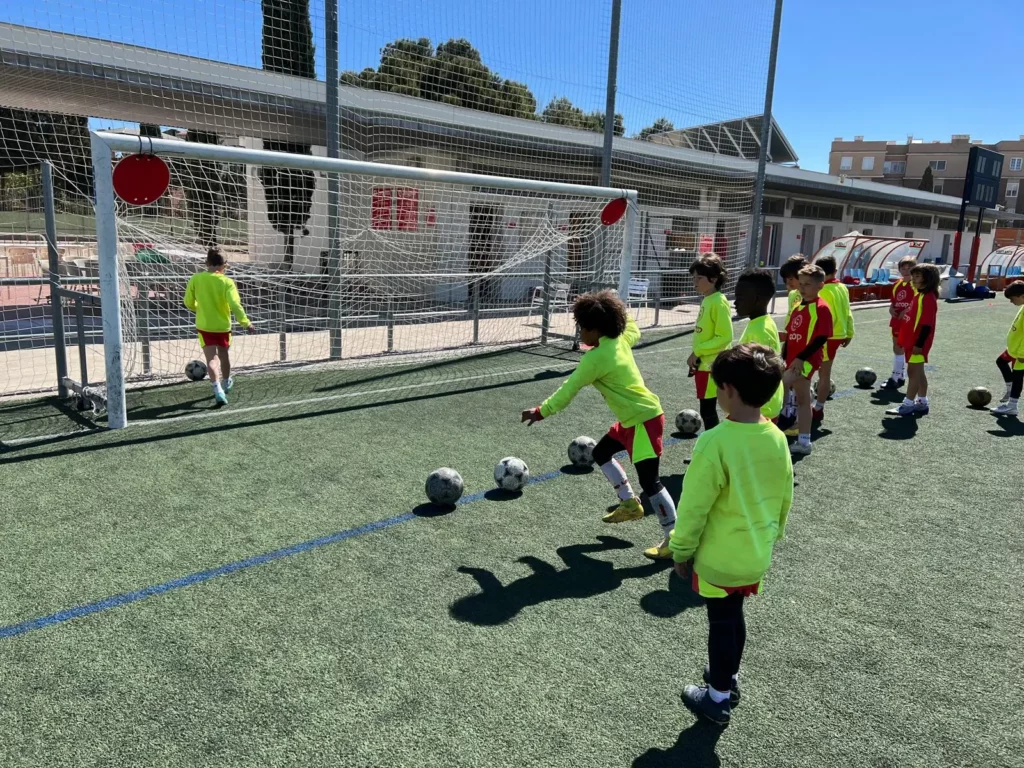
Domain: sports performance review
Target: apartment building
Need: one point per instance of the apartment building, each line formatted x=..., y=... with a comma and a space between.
x=904, y=164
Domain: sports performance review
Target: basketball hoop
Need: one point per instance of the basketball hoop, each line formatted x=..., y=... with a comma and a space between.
x=613, y=211
x=141, y=179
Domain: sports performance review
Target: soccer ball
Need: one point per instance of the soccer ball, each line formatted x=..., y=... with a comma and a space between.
x=689, y=422
x=831, y=387
x=444, y=486
x=866, y=377
x=511, y=474
x=979, y=397
x=196, y=370
x=581, y=451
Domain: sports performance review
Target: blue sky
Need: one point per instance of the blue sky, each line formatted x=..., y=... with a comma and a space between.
x=880, y=69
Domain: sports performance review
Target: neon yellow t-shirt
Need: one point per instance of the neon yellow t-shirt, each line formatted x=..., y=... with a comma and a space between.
x=713, y=332
x=762, y=330
x=214, y=297
x=735, y=502
x=837, y=296
x=1015, y=340
x=610, y=367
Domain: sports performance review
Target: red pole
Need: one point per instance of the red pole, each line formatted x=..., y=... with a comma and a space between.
x=956, y=251
x=975, y=247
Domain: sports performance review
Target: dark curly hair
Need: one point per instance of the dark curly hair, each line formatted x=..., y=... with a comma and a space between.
x=214, y=258
x=602, y=311
x=709, y=265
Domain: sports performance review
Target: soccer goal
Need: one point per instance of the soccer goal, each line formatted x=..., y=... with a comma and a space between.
x=342, y=261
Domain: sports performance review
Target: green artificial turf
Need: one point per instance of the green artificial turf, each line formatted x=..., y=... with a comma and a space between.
x=513, y=631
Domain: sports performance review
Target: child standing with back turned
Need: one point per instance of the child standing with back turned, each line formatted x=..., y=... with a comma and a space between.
x=736, y=498
x=606, y=327
x=837, y=296
x=214, y=298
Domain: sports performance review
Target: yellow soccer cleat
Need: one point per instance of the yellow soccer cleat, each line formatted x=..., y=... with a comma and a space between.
x=792, y=432
x=658, y=553
x=626, y=511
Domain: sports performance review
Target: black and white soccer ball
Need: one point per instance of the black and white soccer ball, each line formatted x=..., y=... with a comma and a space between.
x=444, y=486
x=511, y=474
x=831, y=387
x=688, y=422
x=581, y=451
x=196, y=370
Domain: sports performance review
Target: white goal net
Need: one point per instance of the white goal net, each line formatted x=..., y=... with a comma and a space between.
x=423, y=262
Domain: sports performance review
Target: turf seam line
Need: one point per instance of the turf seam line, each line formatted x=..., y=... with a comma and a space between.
x=127, y=598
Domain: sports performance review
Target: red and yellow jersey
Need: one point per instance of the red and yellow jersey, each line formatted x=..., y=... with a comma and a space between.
x=902, y=296
x=713, y=332
x=807, y=321
x=923, y=312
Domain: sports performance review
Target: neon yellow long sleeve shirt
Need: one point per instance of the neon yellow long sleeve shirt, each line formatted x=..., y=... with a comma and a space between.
x=713, y=332
x=214, y=297
x=735, y=503
x=611, y=369
x=837, y=296
x=1015, y=339
x=762, y=330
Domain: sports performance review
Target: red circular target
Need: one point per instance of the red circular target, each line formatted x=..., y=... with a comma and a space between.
x=613, y=211
x=141, y=179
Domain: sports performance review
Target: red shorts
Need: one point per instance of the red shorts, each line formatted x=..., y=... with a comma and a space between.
x=747, y=591
x=706, y=388
x=908, y=352
x=1006, y=356
x=214, y=339
x=831, y=347
x=646, y=445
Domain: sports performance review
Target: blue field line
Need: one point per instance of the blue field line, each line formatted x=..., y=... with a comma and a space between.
x=127, y=598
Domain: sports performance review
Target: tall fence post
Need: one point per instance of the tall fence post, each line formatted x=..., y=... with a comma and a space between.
x=56, y=301
x=110, y=289
x=766, y=139
x=545, y=318
x=333, y=114
x=629, y=232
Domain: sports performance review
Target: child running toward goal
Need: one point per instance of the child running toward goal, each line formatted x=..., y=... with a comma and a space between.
x=902, y=297
x=916, y=336
x=790, y=274
x=712, y=333
x=606, y=327
x=808, y=330
x=1011, y=362
x=837, y=296
x=755, y=289
x=735, y=502
x=213, y=297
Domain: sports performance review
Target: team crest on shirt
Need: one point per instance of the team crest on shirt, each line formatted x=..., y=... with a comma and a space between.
x=797, y=321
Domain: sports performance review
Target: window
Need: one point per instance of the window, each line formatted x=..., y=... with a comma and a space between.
x=774, y=206
x=916, y=220
x=949, y=224
x=1011, y=188
x=937, y=165
x=846, y=164
x=867, y=163
x=937, y=189
x=871, y=216
x=908, y=235
x=1015, y=163
x=894, y=166
x=867, y=232
x=804, y=210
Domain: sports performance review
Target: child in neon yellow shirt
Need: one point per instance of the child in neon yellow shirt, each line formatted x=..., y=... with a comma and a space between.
x=754, y=291
x=712, y=333
x=1011, y=362
x=837, y=296
x=735, y=502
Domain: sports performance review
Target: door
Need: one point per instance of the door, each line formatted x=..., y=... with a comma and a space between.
x=483, y=235
x=944, y=259
x=826, y=237
x=807, y=241
x=769, y=241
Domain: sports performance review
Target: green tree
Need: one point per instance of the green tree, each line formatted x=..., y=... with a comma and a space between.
x=561, y=111
x=453, y=73
x=27, y=138
x=927, y=180
x=661, y=125
x=288, y=48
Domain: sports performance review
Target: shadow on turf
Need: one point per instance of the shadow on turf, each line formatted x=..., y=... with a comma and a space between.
x=898, y=428
x=886, y=397
x=695, y=748
x=669, y=603
x=1009, y=426
x=583, y=576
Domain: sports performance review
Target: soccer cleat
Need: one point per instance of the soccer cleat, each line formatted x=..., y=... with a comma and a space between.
x=626, y=511
x=1006, y=409
x=734, y=687
x=698, y=700
x=220, y=397
x=658, y=553
x=893, y=383
x=903, y=410
x=792, y=432
x=920, y=409
x=818, y=414
x=801, y=449
x=228, y=385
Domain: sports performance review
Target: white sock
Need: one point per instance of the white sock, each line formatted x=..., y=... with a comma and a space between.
x=216, y=386
x=817, y=406
x=907, y=401
x=898, y=362
x=665, y=509
x=804, y=439
x=230, y=380
x=1009, y=387
x=1012, y=402
x=922, y=400
x=617, y=477
x=717, y=696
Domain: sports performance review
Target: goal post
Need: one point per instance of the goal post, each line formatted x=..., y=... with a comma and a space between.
x=421, y=261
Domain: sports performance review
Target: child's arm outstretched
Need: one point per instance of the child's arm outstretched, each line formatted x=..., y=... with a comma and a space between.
x=235, y=303
x=704, y=481
x=585, y=373
x=632, y=332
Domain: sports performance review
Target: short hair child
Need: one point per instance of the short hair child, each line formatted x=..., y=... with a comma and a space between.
x=807, y=332
x=917, y=332
x=734, y=507
x=1011, y=362
x=837, y=296
x=755, y=288
x=712, y=332
x=606, y=327
x=902, y=296
x=213, y=298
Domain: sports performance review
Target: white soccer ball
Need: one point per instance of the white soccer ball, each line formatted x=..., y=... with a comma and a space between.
x=196, y=370
x=581, y=451
x=511, y=474
x=689, y=422
x=444, y=486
